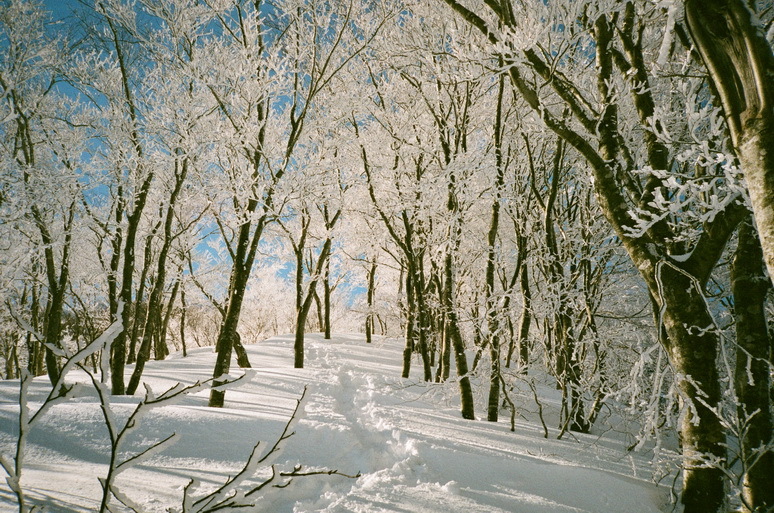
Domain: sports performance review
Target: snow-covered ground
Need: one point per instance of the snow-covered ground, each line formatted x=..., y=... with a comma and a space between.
x=406, y=439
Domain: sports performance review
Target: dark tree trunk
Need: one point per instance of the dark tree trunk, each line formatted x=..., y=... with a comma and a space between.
x=753, y=381
x=183, y=311
x=442, y=371
x=118, y=348
x=369, y=323
x=514, y=340
x=141, y=311
x=411, y=320
x=306, y=305
x=423, y=316
x=525, y=319
x=239, y=277
x=457, y=343
x=492, y=312
x=320, y=315
x=161, y=349
x=693, y=351
x=114, y=264
x=241, y=353
x=247, y=246
x=327, y=298
x=153, y=319
x=248, y=238
x=58, y=278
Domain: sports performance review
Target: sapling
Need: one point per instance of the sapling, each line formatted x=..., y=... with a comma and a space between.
x=14, y=465
x=119, y=433
x=233, y=495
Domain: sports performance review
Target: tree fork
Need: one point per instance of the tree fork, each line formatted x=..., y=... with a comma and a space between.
x=740, y=64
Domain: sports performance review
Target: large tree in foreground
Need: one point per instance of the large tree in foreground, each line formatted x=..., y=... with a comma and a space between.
x=730, y=36
x=636, y=129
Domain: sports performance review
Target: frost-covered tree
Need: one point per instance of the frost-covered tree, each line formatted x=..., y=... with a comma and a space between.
x=590, y=74
x=44, y=137
x=265, y=72
x=737, y=52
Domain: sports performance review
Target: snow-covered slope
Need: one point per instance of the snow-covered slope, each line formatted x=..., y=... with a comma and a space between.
x=405, y=438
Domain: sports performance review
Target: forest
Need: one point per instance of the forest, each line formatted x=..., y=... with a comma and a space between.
x=571, y=193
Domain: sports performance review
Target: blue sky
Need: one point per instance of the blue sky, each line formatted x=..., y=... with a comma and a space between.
x=59, y=8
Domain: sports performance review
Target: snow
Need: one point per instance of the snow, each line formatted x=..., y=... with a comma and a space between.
x=405, y=438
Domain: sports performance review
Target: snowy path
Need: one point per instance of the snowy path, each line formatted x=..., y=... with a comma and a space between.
x=420, y=456
x=406, y=438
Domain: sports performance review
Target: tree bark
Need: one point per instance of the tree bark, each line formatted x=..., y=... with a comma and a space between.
x=369, y=322
x=183, y=311
x=423, y=316
x=730, y=39
x=525, y=318
x=411, y=320
x=306, y=305
x=57, y=286
x=692, y=346
x=753, y=382
x=161, y=350
x=240, y=274
x=141, y=310
x=490, y=301
x=327, y=298
x=242, y=360
x=457, y=344
x=244, y=257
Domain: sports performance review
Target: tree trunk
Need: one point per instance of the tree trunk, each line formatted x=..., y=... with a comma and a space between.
x=753, y=381
x=692, y=346
x=525, y=319
x=408, y=350
x=153, y=319
x=242, y=360
x=327, y=298
x=489, y=296
x=444, y=362
x=138, y=319
x=58, y=280
x=320, y=315
x=493, y=403
x=228, y=329
x=240, y=273
x=306, y=305
x=423, y=316
x=447, y=346
x=369, y=323
x=161, y=349
x=457, y=343
x=732, y=43
x=183, y=309
x=143, y=355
